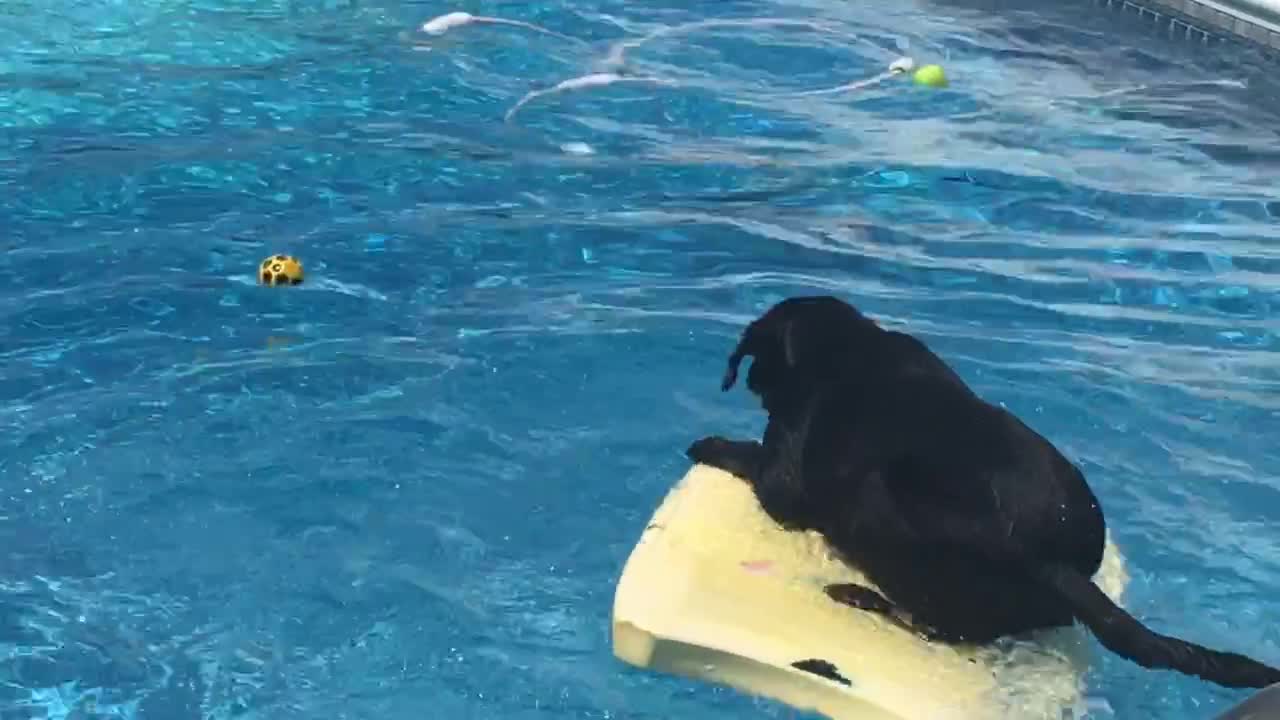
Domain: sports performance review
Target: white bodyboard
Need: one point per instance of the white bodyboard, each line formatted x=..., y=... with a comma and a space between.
x=714, y=590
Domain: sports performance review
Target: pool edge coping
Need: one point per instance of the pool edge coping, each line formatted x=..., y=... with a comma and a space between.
x=1255, y=22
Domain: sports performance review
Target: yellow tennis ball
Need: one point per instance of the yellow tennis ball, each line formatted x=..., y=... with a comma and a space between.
x=930, y=76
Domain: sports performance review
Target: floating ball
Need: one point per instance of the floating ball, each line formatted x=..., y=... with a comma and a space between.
x=930, y=76
x=280, y=270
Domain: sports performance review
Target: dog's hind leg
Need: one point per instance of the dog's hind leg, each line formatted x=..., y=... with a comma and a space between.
x=866, y=599
x=860, y=597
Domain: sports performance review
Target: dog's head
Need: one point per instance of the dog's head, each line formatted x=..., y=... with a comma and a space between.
x=799, y=340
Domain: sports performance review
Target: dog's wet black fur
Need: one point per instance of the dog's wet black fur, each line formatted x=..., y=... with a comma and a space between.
x=971, y=524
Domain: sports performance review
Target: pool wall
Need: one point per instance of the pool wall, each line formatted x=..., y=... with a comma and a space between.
x=1253, y=21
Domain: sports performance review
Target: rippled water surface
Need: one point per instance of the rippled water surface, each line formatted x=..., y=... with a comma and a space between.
x=404, y=488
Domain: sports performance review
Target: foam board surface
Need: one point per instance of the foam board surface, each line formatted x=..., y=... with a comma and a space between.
x=715, y=591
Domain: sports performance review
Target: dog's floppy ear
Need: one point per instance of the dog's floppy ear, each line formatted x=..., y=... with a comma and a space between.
x=756, y=338
x=731, y=373
x=746, y=346
x=789, y=343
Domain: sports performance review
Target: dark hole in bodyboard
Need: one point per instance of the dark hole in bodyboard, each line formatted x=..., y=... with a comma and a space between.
x=823, y=668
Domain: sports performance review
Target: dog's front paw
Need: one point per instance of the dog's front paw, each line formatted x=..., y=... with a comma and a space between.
x=736, y=457
x=712, y=450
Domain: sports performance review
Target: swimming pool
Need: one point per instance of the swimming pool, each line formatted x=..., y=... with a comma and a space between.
x=404, y=488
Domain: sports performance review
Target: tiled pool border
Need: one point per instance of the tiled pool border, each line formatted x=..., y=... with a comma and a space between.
x=1256, y=22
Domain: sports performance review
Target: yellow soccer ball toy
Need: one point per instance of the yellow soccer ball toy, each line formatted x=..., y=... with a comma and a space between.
x=280, y=270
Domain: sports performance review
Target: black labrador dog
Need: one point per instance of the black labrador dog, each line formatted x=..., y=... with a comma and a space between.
x=972, y=525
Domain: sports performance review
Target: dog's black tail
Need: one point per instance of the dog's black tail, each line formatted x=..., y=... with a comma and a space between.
x=1124, y=635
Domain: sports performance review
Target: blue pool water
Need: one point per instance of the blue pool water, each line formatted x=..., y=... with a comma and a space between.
x=404, y=488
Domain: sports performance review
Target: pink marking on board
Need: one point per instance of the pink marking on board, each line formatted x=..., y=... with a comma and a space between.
x=757, y=566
